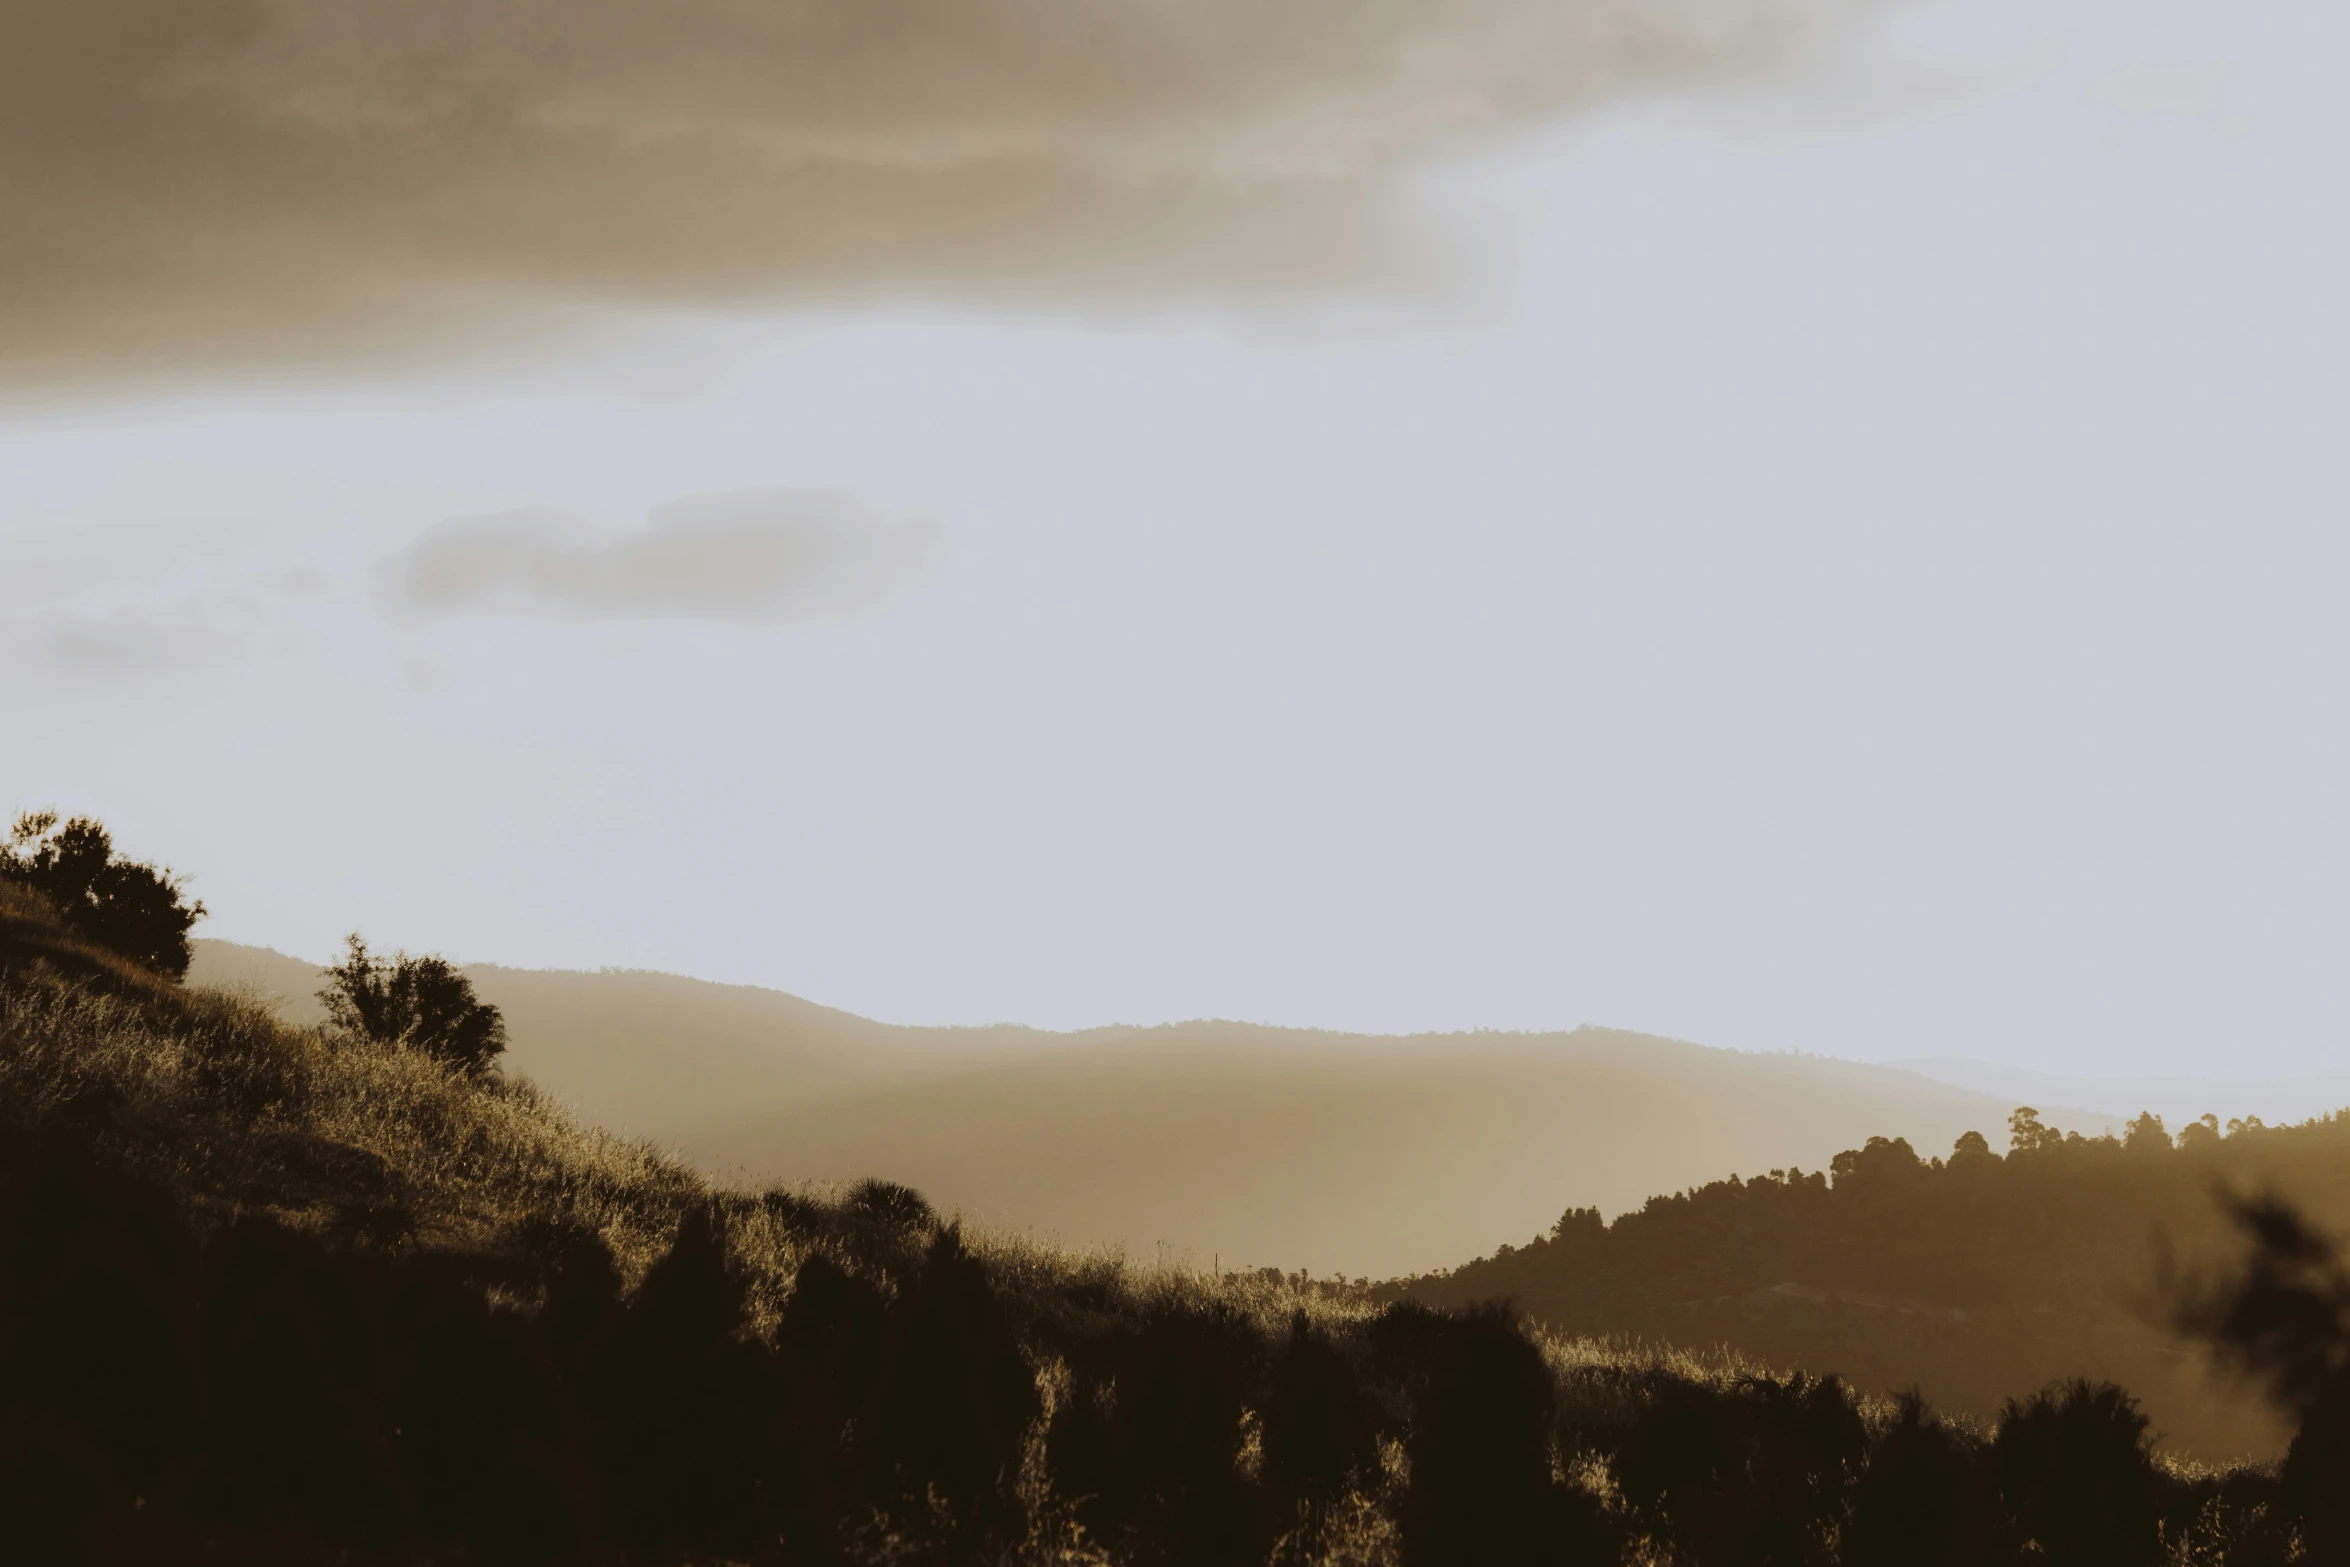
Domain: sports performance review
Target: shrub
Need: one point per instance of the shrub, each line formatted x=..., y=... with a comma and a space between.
x=129, y=907
x=1318, y=1437
x=954, y=1399
x=1922, y=1501
x=1755, y=1472
x=421, y=1003
x=898, y=1209
x=1481, y=1491
x=2286, y=1320
x=2073, y=1469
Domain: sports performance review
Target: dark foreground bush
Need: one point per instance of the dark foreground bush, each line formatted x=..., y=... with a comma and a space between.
x=1924, y=1500
x=261, y=1381
x=2073, y=1467
x=1756, y=1472
x=2285, y=1319
x=1482, y=1488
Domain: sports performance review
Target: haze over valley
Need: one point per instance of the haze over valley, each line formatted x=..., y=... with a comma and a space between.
x=1339, y=1153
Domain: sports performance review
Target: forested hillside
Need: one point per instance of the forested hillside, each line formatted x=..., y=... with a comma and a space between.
x=345, y=1294
x=1391, y=1153
x=1968, y=1276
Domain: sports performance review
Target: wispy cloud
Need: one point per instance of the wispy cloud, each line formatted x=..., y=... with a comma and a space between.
x=214, y=181
x=128, y=642
x=748, y=557
x=148, y=608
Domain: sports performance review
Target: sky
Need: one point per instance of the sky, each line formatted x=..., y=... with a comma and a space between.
x=1797, y=526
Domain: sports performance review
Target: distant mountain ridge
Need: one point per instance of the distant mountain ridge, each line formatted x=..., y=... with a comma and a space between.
x=1234, y=1143
x=2176, y=1099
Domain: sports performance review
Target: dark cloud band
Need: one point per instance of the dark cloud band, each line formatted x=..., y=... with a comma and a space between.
x=207, y=181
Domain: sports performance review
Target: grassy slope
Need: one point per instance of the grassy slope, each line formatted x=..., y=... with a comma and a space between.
x=1390, y=1155
x=379, y=1148
x=1271, y=1142
x=240, y=1113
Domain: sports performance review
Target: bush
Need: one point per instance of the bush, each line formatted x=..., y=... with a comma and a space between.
x=129, y=907
x=2286, y=1320
x=2073, y=1469
x=1482, y=1493
x=421, y=1003
x=1317, y=1433
x=1923, y=1500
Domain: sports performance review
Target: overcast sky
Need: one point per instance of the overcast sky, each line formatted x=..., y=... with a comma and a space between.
x=1800, y=527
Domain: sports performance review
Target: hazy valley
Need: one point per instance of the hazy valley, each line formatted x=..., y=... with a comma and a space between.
x=1355, y=1155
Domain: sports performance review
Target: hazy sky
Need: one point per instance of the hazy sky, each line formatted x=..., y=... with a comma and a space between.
x=1790, y=525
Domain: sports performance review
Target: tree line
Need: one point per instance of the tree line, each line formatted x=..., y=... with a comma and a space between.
x=1968, y=1275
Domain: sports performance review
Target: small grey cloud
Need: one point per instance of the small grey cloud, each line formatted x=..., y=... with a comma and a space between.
x=124, y=643
x=116, y=612
x=750, y=557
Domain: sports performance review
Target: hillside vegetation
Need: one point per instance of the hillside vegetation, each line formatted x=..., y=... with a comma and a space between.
x=293, y=1295
x=1388, y=1154
x=1968, y=1276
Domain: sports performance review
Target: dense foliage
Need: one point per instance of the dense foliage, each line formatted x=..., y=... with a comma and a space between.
x=128, y=907
x=420, y=1002
x=1969, y=1276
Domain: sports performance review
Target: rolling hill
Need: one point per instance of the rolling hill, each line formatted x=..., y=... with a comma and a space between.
x=281, y=1296
x=1236, y=1144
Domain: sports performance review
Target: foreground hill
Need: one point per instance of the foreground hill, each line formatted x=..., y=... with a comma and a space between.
x=1354, y=1154
x=284, y=1296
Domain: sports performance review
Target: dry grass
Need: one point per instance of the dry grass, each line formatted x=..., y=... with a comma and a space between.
x=239, y=1111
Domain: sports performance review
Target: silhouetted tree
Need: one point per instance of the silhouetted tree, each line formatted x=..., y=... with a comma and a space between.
x=1752, y=1474
x=1178, y=1400
x=2073, y=1469
x=1680, y=1451
x=137, y=910
x=1481, y=1491
x=2147, y=1135
x=831, y=1344
x=899, y=1209
x=678, y=1395
x=2025, y=1134
x=955, y=1398
x=1923, y=1501
x=2286, y=1320
x=419, y=1002
x=1317, y=1435
x=1879, y=1163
